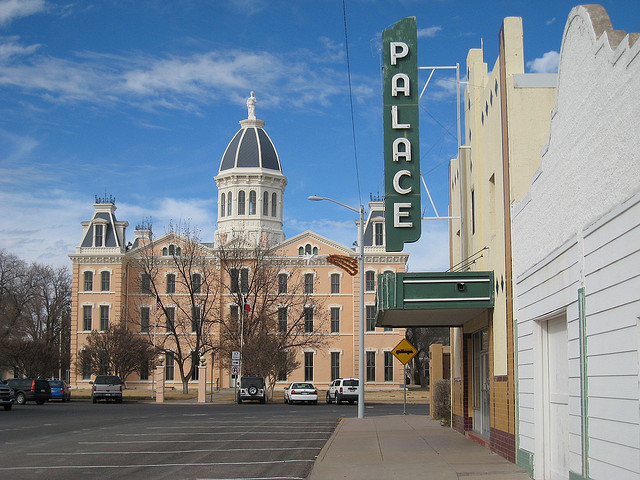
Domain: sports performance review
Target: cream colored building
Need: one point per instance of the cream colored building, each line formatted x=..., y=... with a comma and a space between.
x=507, y=115
x=251, y=183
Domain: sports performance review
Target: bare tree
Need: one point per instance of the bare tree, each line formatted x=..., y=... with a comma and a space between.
x=268, y=315
x=422, y=339
x=182, y=275
x=116, y=351
x=35, y=312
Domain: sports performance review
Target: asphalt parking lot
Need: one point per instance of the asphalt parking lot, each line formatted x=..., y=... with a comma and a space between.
x=137, y=440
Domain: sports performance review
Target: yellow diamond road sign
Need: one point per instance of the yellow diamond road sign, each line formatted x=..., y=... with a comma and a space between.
x=404, y=351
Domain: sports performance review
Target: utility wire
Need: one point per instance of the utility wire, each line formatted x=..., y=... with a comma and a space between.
x=353, y=125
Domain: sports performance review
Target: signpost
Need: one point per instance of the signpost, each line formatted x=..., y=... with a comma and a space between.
x=235, y=369
x=404, y=352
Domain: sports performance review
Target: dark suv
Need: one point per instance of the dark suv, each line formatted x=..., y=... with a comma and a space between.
x=30, y=390
x=252, y=388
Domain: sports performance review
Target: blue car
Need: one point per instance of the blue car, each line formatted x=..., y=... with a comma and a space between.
x=60, y=390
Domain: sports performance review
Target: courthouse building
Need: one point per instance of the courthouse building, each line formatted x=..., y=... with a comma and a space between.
x=110, y=287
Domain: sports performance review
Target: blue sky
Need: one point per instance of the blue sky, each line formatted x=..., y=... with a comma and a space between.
x=139, y=98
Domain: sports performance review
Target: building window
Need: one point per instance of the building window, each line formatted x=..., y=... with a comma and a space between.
x=473, y=212
x=196, y=283
x=300, y=251
x=252, y=202
x=88, y=281
x=335, y=320
x=104, y=318
x=239, y=280
x=370, y=281
x=308, y=320
x=378, y=235
x=283, y=279
x=371, y=318
x=234, y=312
x=171, y=283
x=335, y=365
x=335, y=283
x=105, y=281
x=274, y=201
x=86, y=365
x=388, y=367
x=195, y=362
x=222, y=204
x=241, y=196
x=282, y=320
x=86, y=317
x=308, y=283
x=308, y=366
x=99, y=235
x=145, y=283
x=229, y=203
x=171, y=319
x=388, y=329
x=195, y=318
x=144, y=370
x=371, y=366
x=144, y=319
x=282, y=374
x=170, y=366
x=307, y=249
x=265, y=204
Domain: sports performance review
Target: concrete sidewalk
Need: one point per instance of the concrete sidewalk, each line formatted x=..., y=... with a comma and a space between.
x=405, y=447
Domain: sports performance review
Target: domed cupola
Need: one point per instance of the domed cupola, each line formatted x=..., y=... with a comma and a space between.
x=250, y=185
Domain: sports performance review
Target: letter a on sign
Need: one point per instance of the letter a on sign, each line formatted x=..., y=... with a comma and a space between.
x=403, y=214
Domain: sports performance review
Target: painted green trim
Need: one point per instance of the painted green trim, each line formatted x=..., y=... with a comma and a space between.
x=584, y=381
x=577, y=476
x=524, y=460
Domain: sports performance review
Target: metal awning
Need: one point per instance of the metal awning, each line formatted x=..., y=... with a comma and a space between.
x=432, y=299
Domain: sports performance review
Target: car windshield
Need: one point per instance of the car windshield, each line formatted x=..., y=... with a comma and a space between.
x=302, y=385
x=351, y=383
x=108, y=380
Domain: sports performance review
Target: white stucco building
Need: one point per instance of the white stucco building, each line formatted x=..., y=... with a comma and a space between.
x=576, y=266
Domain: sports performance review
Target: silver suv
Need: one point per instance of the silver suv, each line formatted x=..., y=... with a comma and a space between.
x=343, y=389
x=252, y=388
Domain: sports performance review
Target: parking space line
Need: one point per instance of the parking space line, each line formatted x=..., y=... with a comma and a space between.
x=297, y=440
x=163, y=452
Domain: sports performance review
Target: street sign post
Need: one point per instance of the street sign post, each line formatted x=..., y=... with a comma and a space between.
x=404, y=352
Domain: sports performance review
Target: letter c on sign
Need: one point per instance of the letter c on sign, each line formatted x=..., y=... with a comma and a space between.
x=396, y=182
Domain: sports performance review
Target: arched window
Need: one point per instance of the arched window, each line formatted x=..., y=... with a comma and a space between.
x=172, y=250
x=307, y=248
x=229, y=203
x=222, y=204
x=301, y=251
x=164, y=252
x=315, y=250
x=274, y=201
x=265, y=204
x=252, y=202
x=241, y=202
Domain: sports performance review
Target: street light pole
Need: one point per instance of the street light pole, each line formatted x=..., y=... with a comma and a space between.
x=361, y=359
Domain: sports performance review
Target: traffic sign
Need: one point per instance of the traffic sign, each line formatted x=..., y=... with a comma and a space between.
x=235, y=370
x=404, y=351
x=235, y=362
x=235, y=355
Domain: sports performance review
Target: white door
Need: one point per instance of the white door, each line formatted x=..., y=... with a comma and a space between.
x=556, y=401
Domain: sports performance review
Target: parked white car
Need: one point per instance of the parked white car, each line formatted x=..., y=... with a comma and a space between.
x=301, y=392
x=343, y=389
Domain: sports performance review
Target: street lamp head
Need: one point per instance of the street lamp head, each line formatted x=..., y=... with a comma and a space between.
x=315, y=198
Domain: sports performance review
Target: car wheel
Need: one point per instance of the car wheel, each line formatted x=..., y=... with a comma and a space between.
x=40, y=402
x=8, y=407
x=285, y=400
x=338, y=399
x=118, y=400
x=253, y=390
x=239, y=399
x=21, y=399
x=263, y=400
x=93, y=399
x=315, y=402
x=328, y=398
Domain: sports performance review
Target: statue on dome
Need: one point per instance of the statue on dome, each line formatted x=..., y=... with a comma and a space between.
x=251, y=107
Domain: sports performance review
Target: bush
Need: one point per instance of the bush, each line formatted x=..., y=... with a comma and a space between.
x=441, y=400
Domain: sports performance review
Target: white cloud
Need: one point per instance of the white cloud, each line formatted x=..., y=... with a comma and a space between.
x=547, y=64
x=429, y=32
x=12, y=9
x=550, y=21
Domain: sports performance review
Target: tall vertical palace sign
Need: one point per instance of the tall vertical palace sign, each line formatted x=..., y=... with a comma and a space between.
x=403, y=217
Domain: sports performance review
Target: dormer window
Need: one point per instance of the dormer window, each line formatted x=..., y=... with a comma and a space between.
x=98, y=239
x=378, y=234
